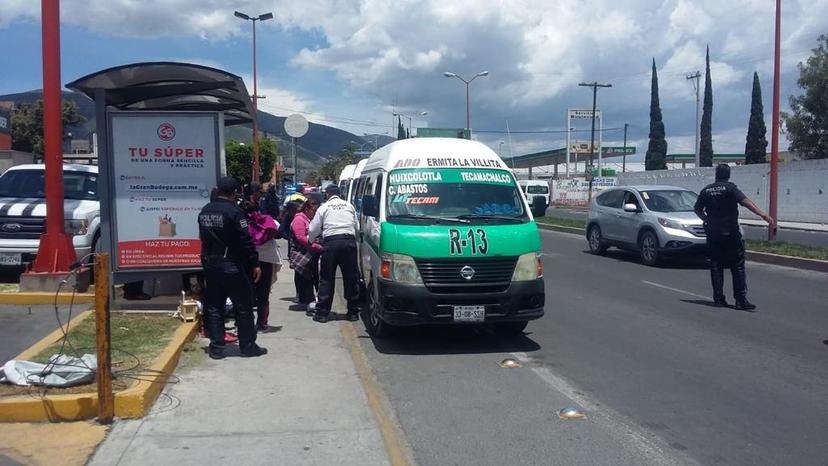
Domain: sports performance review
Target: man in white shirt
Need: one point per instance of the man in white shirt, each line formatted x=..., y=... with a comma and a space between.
x=336, y=223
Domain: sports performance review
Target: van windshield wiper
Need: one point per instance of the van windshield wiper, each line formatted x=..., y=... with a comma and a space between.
x=492, y=217
x=430, y=217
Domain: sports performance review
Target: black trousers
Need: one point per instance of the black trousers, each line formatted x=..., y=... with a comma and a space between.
x=228, y=281
x=306, y=287
x=339, y=251
x=263, y=294
x=727, y=251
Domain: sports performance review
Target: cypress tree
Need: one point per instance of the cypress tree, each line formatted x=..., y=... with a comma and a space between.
x=706, y=144
x=657, y=150
x=401, y=130
x=756, y=145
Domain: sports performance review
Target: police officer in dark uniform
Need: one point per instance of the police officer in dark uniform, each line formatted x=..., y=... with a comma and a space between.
x=336, y=223
x=718, y=206
x=230, y=266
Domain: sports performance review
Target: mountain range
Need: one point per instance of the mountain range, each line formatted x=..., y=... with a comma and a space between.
x=320, y=144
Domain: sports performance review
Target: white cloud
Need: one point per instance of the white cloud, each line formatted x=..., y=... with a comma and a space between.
x=395, y=51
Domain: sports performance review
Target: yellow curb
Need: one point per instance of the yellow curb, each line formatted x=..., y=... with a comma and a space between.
x=47, y=444
x=398, y=449
x=33, y=297
x=135, y=401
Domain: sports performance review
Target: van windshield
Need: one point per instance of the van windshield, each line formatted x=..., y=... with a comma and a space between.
x=490, y=196
x=31, y=184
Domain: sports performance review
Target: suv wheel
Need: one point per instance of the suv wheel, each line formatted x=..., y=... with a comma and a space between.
x=648, y=246
x=596, y=242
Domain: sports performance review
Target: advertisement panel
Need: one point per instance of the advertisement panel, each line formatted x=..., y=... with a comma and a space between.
x=574, y=192
x=5, y=121
x=163, y=168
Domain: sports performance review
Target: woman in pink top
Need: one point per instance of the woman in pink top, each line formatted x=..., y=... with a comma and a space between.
x=304, y=256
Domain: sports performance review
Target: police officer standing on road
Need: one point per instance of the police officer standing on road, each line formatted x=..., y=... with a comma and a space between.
x=336, y=222
x=231, y=267
x=717, y=206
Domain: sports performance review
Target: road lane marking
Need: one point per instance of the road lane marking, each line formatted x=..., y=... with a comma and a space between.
x=650, y=445
x=657, y=285
x=399, y=451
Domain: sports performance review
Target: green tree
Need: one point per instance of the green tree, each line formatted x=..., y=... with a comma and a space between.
x=401, y=129
x=27, y=125
x=756, y=145
x=706, y=143
x=807, y=124
x=657, y=150
x=331, y=169
x=239, y=158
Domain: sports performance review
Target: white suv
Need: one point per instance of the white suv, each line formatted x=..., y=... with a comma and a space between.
x=23, y=212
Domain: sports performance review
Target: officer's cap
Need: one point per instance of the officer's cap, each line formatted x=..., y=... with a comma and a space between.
x=227, y=185
x=332, y=189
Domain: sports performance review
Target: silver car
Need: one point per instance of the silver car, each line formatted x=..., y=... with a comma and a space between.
x=653, y=220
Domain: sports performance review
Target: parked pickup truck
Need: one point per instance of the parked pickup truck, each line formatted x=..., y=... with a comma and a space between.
x=23, y=212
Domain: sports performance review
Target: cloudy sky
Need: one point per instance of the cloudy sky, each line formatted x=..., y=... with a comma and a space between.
x=351, y=63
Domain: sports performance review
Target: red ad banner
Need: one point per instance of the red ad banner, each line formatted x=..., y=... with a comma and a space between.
x=155, y=253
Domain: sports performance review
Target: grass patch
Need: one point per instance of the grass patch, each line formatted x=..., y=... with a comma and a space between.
x=561, y=222
x=136, y=341
x=9, y=287
x=788, y=249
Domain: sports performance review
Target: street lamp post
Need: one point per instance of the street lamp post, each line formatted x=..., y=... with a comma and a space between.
x=253, y=19
x=449, y=74
x=410, y=119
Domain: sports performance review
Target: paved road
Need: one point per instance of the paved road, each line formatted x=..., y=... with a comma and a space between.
x=22, y=326
x=810, y=238
x=665, y=378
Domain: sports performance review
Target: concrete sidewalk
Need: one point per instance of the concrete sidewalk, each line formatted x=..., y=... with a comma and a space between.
x=302, y=403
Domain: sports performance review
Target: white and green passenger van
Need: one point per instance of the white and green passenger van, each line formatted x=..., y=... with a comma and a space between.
x=446, y=237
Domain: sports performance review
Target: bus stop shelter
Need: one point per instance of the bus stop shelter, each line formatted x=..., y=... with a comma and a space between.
x=177, y=95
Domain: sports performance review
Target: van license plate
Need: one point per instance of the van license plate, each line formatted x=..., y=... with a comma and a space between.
x=10, y=259
x=469, y=313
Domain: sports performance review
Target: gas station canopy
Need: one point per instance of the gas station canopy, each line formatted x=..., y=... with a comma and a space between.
x=557, y=156
x=171, y=86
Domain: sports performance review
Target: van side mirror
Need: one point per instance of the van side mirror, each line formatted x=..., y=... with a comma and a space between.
x=630, y=207
x=370, y=207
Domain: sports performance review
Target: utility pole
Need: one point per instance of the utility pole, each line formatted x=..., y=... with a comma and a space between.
x=594, y=85
x=624, y=159
x=774, y=166
x=696, y=76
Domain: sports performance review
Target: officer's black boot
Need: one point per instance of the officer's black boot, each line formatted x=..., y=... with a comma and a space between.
x=717, y=280
x=214, y=322
x=740, y=287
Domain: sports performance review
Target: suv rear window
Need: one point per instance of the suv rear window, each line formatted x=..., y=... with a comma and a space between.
x=611, y=198
x=31, y=184
x=537, y=189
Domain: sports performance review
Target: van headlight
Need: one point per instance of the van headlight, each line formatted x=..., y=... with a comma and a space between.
x=400, y=268
x=528, y=267
x=76, y=227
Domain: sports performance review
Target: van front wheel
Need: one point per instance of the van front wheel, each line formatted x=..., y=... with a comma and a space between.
x=374, y=324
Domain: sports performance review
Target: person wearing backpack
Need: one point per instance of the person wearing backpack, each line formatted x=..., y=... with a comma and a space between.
x=304, y=255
